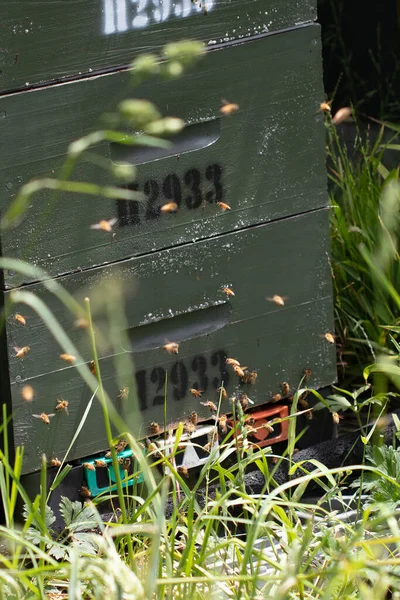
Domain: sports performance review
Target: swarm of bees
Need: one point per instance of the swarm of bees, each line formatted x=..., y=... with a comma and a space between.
x=278, y=300
x=172, y=348
x=104, y=225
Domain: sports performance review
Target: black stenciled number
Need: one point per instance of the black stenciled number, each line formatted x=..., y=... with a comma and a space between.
x=158, y=376
x=214, y=174
x=152, y=190
x=172, y=188
x=142, y=389
x=199, y=365
x=179, y=377
x=218, y=359
x=193, y=179
x=128, y=210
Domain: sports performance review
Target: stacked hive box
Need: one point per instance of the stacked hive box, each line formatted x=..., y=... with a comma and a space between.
x=62, y=66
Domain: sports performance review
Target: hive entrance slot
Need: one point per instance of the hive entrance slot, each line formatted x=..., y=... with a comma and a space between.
x=192, y=138
x=181, y=327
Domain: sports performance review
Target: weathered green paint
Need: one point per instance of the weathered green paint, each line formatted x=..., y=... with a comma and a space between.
x=271, y=152
x=175, y=295
x=43, y=41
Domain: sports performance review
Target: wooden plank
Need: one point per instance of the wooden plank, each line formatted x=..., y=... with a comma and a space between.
x=175, y=295
x=43, y=42
x=266, y=161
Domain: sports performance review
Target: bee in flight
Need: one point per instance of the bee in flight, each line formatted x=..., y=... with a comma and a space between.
x=68, y=358
x=27, y=393
x=44, y=417
x=170, y=207
x=62, y=405
x=196, y=393
x=124, y=393
x=278, y=300
x=223, y=206
x=21, y=352
x=104, y=225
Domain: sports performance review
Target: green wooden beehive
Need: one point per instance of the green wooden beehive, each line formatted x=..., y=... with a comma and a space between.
x=60, y=71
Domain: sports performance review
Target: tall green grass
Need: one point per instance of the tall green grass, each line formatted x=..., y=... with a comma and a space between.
x=365, y=225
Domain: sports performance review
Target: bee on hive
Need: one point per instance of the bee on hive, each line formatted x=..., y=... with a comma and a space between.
x=172, y=348
x=228, y=108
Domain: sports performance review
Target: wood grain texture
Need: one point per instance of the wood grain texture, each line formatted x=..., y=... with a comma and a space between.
x=44, y=41
x=271, y=153
x=167, y=294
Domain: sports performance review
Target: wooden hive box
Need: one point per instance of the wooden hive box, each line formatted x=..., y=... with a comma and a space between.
x=60, y=71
